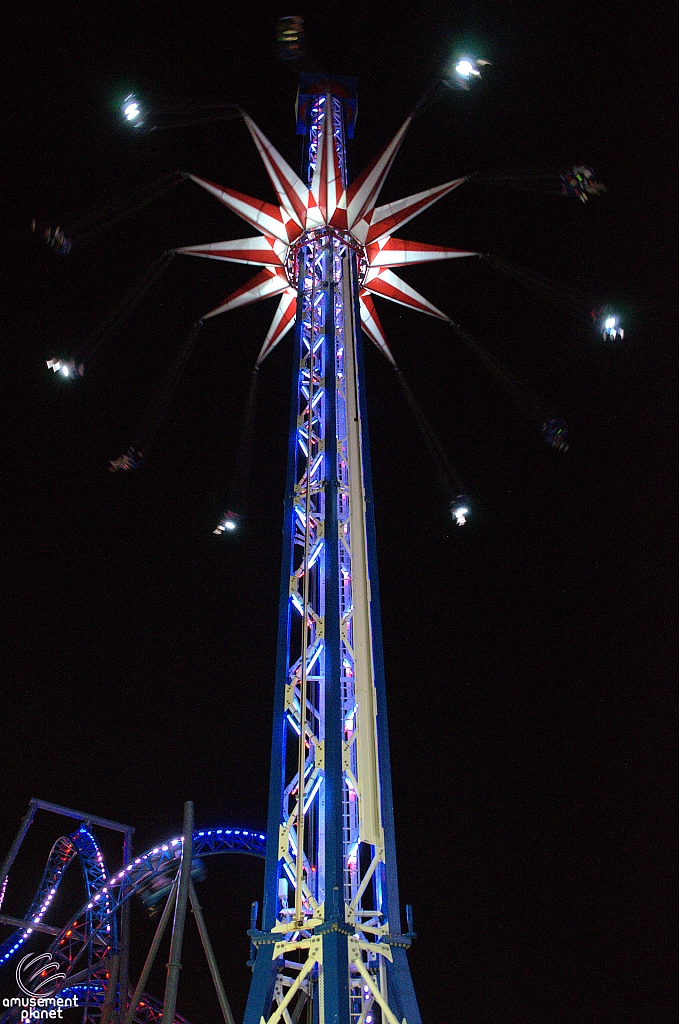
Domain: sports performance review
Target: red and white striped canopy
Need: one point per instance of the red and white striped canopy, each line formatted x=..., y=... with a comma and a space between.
x=325, y=204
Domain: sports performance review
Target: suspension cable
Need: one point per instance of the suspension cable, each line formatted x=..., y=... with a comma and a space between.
x=61, y=240
x=553, y=429
x=104, y=218
x=152, y=419
x=448, y=478
x=520, y=393
x=240, y=485
x=567, y=298
x=93, y=344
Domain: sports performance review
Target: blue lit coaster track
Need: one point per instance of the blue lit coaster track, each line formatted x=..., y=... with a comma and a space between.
x=83, y=845
x=83, y=947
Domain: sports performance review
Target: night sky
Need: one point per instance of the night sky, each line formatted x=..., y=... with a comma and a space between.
x=530, y=657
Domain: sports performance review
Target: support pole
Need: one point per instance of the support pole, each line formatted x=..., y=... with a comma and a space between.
x=155, y=945
x=23, y=829
x=174, y=964
x=17, y=922
x=111, y=987
x=91, y=819
x=212, y=963
x=124, y=947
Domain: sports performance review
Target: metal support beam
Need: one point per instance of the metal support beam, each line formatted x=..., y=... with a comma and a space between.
x=174, y=965
x=14, y=849
x=111, y=988
x=151, y=956
x=124, y=945
x=91, y=819
x=16, y=922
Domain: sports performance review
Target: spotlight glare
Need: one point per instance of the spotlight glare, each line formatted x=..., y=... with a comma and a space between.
x=464, y=68
x=132, y=111
x=231, y=521
x=609, y=325
x=459, y=509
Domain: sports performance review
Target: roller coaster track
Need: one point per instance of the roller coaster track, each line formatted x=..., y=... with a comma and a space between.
x=84, y=945
x=82, y=844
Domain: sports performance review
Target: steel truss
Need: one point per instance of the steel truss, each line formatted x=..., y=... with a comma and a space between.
x=327, y=947
x=83, y=845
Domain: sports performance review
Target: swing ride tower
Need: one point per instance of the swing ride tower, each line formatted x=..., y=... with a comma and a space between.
x=331, y=935
x=330, y=947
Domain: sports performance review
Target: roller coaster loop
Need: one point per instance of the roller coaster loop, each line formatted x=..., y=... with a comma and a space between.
x=82, y=844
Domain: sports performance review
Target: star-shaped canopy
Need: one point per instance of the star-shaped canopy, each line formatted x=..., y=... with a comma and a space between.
x=326, y=204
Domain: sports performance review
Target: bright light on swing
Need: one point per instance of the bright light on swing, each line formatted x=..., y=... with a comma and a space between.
x=459, y=508
x=132, y=110
x=229, y=522
x=465, y=68
x=611, y=329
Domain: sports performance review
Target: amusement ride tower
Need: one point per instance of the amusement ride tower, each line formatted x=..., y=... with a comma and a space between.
x=330, y=945
x=329, y=948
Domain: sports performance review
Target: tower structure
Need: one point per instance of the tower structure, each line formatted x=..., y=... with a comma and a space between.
x=330, y=914
x=330, y=948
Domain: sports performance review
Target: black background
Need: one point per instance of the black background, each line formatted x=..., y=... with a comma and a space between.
x=530, y=656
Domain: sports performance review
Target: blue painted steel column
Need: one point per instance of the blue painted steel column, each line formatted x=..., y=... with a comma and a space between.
x=335, y=932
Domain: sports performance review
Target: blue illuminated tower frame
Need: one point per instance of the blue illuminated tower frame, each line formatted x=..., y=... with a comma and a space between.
x=330, y=948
